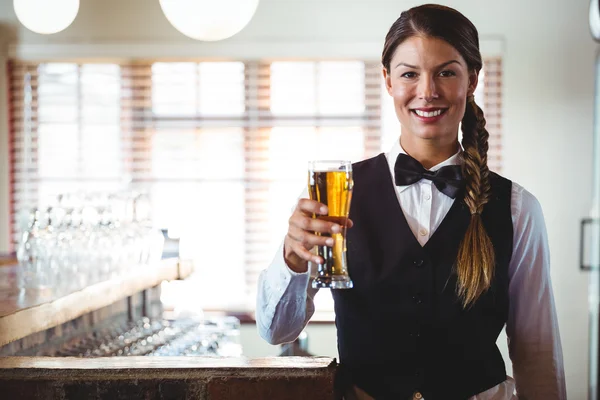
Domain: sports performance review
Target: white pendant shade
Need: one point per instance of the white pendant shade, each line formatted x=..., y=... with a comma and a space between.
x=209, y=20
x=46, y=16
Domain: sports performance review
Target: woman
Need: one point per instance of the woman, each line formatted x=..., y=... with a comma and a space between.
x=436, y=279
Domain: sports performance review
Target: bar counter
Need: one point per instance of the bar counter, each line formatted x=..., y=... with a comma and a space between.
x=177, y=378
x=34, y=325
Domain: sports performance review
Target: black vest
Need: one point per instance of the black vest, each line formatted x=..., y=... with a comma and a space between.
x=402, y=328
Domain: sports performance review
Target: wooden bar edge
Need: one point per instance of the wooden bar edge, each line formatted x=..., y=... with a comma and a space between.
x=27, y=321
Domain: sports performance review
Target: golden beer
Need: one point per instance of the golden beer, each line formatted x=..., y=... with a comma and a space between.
x=330, y=183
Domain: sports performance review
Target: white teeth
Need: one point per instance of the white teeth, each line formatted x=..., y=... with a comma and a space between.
x=428, y=114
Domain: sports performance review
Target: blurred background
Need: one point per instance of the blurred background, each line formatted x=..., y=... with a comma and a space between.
x=216, y=135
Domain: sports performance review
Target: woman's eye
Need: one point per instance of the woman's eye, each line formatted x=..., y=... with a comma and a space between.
x=408, y=75
x=447, y=73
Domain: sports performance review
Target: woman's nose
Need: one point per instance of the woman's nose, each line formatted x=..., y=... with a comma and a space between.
x=427, y=89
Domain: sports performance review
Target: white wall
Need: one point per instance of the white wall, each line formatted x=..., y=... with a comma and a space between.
x=548, y=95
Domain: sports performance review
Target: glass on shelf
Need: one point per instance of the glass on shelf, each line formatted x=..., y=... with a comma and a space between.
x=88, y=237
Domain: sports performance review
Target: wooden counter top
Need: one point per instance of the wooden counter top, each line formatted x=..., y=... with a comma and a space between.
x=168, y=378
x=162, y=363
x=24, y=314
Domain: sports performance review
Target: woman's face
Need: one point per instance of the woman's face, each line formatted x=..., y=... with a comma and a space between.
x=429, y=81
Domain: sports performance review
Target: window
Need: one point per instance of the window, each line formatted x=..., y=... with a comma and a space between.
x=220, y=147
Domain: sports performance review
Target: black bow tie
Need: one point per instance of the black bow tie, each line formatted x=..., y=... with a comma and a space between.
x=447, y=179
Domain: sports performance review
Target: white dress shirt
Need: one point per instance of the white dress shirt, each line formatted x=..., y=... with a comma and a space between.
x=285, y=298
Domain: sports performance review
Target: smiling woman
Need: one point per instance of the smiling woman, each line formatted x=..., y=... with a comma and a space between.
x=437, y=69
x=442, y=252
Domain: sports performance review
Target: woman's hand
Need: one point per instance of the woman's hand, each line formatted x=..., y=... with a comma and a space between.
x=301, y=237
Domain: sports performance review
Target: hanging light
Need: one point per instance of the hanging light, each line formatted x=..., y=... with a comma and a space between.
x=209, y=20
x=46, y=16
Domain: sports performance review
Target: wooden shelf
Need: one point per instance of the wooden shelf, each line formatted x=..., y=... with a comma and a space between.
x=24, y=314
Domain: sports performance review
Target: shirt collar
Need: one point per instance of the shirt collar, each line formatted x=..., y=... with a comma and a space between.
x=396, y=149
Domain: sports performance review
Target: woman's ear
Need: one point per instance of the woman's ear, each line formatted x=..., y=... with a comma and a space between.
x=473, y=81
x=388, y=81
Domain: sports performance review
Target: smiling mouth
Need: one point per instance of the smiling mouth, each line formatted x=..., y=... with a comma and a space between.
x=429, y=114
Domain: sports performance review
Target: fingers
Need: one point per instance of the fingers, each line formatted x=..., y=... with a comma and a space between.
x=299, y=250
x=308, y=239
x=305, y=232
x=299, y=220
x=310, y=207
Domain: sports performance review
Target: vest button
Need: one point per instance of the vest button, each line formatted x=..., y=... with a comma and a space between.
x=417, y=299
x=418, y=263
x=417, y=396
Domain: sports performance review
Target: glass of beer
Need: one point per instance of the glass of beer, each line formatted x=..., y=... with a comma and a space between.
x=330, y=183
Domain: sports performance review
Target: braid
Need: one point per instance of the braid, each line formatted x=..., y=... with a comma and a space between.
x=475, y=144
x=475, y=260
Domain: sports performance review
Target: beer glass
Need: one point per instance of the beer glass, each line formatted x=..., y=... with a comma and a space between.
x=330, y=183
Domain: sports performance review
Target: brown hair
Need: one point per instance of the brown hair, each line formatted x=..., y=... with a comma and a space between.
x=476, y=258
